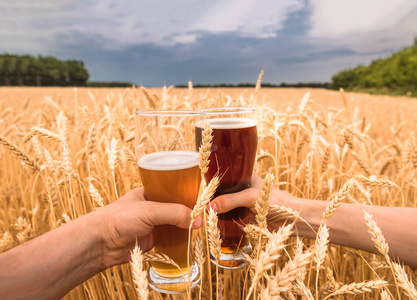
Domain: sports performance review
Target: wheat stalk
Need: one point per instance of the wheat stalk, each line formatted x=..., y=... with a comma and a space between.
x=130, y=137
x=262, y=202
x=113, y=159
x=321, y=245
x=267, y=257
x=95, y=194
x=361, y=163
x=374, y=181
x=376, y=235
x=205, y=148
x=213, y=231
x=200, y=259
x=91, y=140
x=139, y=274
x=385, y=295
x=338, y=200
x=148, y=97
x=289, y=273
x=6, y=241
x=215, y=242
x=358, y=288
x=46, y=133
x=303, y=104
x=280, y=209
x=159, y=257
x=258, y=83
x=406, y=284
x=205, y=198
x=62, y=127
x=26, y=159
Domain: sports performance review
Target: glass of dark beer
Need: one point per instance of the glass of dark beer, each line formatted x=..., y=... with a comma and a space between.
x=169, y=170
x=233, y=154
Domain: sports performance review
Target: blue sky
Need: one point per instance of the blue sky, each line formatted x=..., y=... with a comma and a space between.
x=156, y=43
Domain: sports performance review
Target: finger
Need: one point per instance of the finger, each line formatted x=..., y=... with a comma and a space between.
x=256, y=181
x=137, y=194
x=170, y=214
x=245, y=198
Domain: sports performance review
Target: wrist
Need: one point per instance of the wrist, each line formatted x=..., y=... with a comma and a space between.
x=92, y=226
x=311, y=211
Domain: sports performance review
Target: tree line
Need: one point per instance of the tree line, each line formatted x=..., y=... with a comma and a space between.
x=396, y=74
x=28, y=70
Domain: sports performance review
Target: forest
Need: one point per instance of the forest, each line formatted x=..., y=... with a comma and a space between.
x=396, y=74
x=27, y=70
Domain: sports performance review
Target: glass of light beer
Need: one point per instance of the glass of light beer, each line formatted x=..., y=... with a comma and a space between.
x=233, y=154
x=169, y=170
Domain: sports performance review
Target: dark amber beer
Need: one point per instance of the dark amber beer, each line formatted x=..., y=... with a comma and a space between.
x=172, y=177
x=233, y=154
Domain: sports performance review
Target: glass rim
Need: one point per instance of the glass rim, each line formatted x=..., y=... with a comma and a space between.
x=174, y=113
x=228, y=110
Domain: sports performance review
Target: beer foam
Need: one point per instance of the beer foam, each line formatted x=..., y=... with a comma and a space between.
x=228, y=123
x=169, y=160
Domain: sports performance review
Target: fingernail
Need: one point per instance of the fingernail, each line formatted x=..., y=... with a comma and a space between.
x=213, y=206
x=197, y=222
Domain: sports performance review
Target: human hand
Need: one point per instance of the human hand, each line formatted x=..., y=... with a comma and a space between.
x=132, y=218
x=247, y=198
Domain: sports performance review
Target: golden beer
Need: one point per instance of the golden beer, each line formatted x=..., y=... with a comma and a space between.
x=171, y=177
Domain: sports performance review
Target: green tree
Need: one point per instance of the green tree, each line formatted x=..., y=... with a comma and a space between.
x=77, y=74
x=395, y=74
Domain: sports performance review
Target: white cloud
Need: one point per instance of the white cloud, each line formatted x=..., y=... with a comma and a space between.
x=124, y=23
x=247, y=18
x=338, y=17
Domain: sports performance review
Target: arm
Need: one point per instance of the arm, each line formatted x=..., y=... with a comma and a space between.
x=49, y=266
x=347, y=225
x=348, y=228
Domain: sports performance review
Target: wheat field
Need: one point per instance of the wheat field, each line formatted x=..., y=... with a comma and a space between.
x=313, y=143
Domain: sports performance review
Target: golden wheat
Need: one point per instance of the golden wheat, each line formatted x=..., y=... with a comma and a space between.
x=317, y=143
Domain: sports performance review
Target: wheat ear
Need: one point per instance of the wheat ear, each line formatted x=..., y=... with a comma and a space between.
x=214, y=234
x=139, y=274
x=262, y=203
x=379, y=241
x=215, y=242
x=376, y=235
x=266, y=259
x=321, y=245
x=160, y=257
x=358, y=288
x=284, y=278
x=403, y=281
x=258, y=83
x=95, y=194
x=148, y=97
x=91, y=140
x=204, y=199
x=113, y=159
x=205, y=148
x=338, y=200
x=280, y=209
x=29, y=161
x=45, y=133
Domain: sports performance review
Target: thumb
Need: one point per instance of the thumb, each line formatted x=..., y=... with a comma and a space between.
x=245, y=198
x=170, y=214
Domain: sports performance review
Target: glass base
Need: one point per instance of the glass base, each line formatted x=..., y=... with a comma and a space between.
x=234, y=260
x=173, y=285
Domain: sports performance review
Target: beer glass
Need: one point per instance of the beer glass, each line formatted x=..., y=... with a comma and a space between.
x=169, y=170
x=233, y=154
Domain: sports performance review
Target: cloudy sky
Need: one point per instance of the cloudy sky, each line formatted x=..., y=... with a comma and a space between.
x=163, y=42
